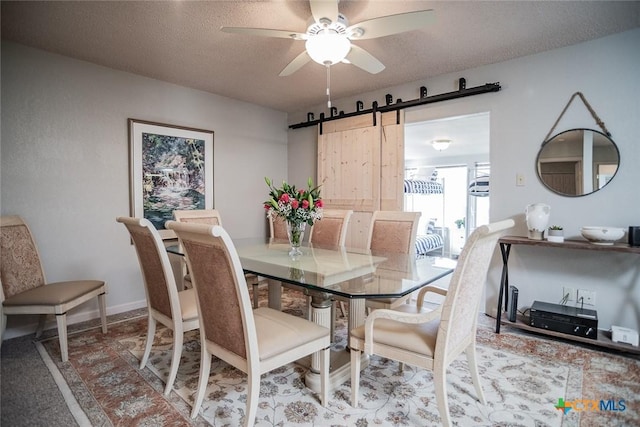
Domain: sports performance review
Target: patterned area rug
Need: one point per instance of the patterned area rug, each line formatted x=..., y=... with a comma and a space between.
x=524, y=378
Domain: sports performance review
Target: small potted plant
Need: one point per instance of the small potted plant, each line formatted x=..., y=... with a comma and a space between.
x=555, y=234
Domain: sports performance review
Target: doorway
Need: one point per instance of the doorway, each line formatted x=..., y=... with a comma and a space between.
x=462, y=168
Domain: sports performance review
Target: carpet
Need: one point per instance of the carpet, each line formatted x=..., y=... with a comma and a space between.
x=524, y=379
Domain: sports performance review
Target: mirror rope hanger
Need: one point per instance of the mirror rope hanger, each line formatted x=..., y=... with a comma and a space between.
x=591, y=110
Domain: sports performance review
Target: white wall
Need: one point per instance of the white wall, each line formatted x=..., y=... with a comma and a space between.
x=65, y=154
x=303, y=156
x=535, y=89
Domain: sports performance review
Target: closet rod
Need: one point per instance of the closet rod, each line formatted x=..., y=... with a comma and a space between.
x=399, y=105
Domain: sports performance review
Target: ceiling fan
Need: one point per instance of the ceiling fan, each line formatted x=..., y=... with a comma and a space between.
x=328, y=40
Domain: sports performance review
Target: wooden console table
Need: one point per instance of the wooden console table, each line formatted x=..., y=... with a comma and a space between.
x=604, y=338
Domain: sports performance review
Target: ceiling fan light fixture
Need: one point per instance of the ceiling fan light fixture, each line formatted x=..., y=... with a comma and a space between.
x=440, y=144
x=328, y=48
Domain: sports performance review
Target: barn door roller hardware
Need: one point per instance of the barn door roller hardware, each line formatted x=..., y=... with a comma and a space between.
x=399, y=104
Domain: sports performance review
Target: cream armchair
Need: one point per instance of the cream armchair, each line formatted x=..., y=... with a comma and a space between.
x=254, y=341
x=433, y=339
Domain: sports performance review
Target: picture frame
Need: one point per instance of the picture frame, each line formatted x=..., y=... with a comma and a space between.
x=171, y=167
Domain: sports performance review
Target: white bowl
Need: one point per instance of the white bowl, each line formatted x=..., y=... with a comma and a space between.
x=602, y=235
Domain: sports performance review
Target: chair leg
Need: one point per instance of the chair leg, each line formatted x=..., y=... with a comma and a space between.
x=178, y=339
x=151, y=332
x=3, y=326
x=42, y=319
x=440, y=382
x=253, y=394
x=103, y=311
x=473, y=368
x=334, y=312
x=343, y=309
x=255, y=295
x=205, y=367
x=332, y=326
x=61, y=319
x=356, y=357
x=324, y=376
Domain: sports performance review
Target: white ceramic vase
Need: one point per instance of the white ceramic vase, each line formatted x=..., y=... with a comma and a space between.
x=537, y=215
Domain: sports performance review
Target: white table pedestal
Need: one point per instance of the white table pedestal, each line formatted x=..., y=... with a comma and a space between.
x=340, y=364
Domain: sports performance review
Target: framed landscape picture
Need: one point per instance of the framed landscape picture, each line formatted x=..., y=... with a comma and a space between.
x=171, y=168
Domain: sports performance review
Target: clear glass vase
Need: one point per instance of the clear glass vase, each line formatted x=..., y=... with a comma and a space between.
x=295, y=232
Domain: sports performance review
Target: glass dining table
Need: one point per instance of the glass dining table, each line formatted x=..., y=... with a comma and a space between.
x=328, y=273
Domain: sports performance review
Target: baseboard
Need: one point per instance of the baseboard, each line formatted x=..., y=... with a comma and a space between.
x=29, y=328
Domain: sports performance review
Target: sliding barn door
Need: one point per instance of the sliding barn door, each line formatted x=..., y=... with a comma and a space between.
x=392, y=162
x=360, y=167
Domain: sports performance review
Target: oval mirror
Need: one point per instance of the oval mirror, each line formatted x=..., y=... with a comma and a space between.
x=577, y=162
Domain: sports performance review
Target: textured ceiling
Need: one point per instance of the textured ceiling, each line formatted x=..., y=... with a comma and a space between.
x=181, y=42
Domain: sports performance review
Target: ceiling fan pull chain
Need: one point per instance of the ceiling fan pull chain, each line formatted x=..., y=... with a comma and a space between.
x=328, y=86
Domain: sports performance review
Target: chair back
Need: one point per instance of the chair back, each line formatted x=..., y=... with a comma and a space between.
x=331, y=229
x=460, y=307
x=159, y=282
x=20, y=265
x=393, y=231
x=198, y=216
x=224, y=306
x=278, y=228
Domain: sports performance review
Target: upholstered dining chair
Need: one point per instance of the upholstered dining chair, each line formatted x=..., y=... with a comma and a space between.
x=174, y=309
x=277, y=228
x=393, y=232
x=331, y=230
x=278, y=232
x=198, y=216
x=213, y=217
x=25, y=290
x=433, y=339
x=254, y=341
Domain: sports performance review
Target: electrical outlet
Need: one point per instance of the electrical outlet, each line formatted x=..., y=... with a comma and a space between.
x=586, y=297
x=571, y=292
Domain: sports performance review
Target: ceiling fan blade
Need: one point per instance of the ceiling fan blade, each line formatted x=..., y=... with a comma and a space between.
x=296, y=64
x=391, y=24
x=324, y=9
x=363, y=59
x=265, y=32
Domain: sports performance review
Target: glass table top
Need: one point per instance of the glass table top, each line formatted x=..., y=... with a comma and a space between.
x=350, y=273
